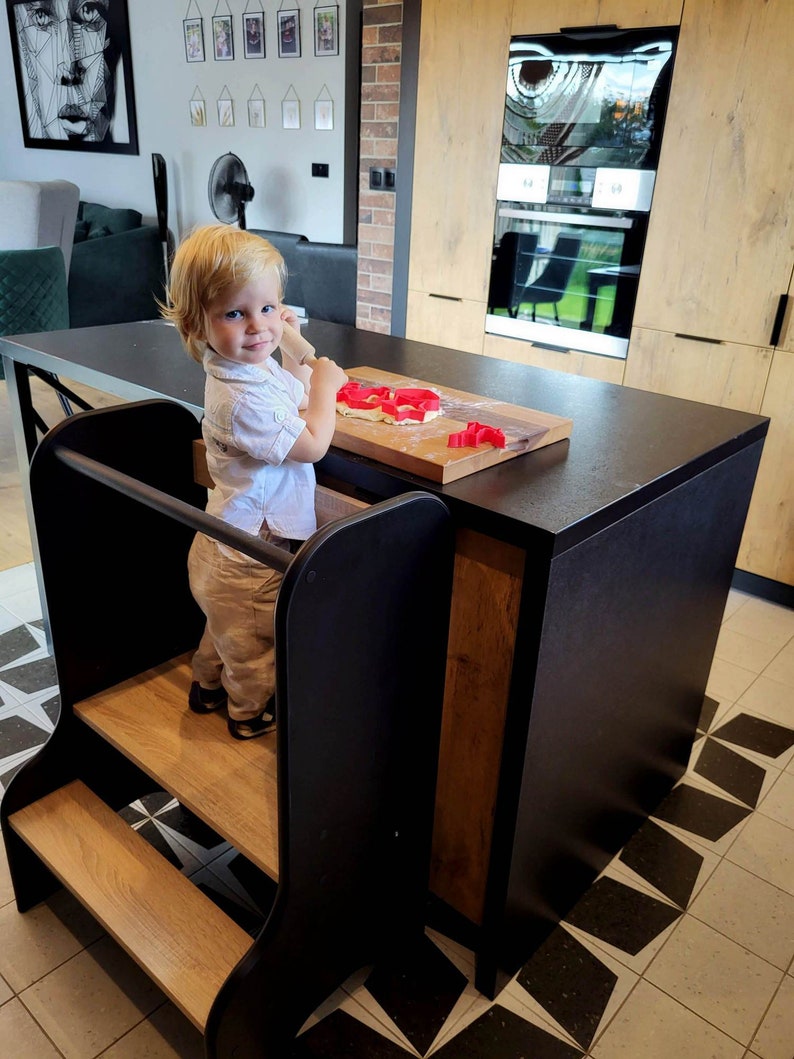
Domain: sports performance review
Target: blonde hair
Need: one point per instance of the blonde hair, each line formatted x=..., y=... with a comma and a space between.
x=207, y=262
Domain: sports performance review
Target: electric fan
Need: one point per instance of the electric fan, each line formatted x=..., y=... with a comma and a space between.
x=229, y=189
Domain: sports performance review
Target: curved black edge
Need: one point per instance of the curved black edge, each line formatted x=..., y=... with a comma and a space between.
x=362, y=622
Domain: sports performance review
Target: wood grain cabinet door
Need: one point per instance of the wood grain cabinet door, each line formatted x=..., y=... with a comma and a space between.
x=720, y=244
x=460, y=107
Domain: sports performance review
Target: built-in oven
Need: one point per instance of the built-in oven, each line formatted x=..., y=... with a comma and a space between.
x=584, y=112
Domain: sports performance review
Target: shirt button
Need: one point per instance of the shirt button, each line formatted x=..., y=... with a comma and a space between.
x=281, y=415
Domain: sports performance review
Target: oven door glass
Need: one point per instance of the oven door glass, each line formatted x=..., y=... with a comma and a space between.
x=565, y=277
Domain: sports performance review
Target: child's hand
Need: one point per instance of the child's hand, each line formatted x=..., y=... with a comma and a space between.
x=289, y=316
x=327, y=374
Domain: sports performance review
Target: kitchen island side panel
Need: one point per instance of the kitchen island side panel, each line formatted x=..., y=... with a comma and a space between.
x=600, y=731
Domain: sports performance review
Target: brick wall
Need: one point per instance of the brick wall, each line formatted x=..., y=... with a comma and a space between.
x=381, y=53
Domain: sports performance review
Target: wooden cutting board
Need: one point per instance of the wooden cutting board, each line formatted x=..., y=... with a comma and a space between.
x=422, y=449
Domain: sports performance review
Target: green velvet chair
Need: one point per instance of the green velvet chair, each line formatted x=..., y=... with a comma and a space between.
x=33, y=298
x=33, y=292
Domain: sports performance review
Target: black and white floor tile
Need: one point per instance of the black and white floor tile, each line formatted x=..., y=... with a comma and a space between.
x=683, y=947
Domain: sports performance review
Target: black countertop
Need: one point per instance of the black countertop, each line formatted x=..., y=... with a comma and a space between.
x=627, y=446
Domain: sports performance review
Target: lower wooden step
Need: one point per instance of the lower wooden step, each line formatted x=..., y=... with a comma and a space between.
x=229, y=784
x=166, y=924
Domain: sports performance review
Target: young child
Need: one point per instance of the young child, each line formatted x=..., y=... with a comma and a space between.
x=264, y=426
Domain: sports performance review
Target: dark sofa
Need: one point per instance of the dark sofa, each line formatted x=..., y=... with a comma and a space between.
x=322, y=277
x=117, y=268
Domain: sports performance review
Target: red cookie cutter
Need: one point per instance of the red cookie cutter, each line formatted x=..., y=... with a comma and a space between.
x=404, y=403
x=476, y=434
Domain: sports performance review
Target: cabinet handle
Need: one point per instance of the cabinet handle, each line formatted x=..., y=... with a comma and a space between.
x=777, y=326
x=589, y=32
x=445, y=297
x=546, y=345
x=699, y=338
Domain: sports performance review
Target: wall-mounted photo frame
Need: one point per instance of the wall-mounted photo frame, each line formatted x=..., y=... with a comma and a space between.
x=222, y=37
x=289, y=34
x=254, y=34
x=290, y=114
x=96, y=111
x=256, y=113
x=193, y=29
x=323, y=114
x=198, y=112
x=326, y=30
x=225, y=113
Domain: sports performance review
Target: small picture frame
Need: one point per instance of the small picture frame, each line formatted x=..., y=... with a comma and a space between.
x=289, y=34
x=256, y=113
x=222, y=37
x=254, y=34
x=193, y=29
x=326, y=30
x=290, y=114
x=323, y=114
x=225, y=113
x=198, y=112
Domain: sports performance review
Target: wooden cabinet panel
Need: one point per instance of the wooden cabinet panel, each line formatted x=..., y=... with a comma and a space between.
x=460, y=103
x=547, y=17
x=767, y=547
x=482, y=630
x=721, y=238
x=450, y=322
x=721, y=373
x=608, y=369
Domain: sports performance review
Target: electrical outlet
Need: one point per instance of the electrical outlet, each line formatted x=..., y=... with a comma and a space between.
x=320, y=169
x=390, y=179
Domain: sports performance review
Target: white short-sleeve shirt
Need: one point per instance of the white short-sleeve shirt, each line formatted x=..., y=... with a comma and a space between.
x=250, y=424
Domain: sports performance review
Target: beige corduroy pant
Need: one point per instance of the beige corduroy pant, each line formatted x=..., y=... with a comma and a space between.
x=237, y=596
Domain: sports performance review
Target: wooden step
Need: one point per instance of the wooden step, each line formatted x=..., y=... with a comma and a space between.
x=166, y=924
x=228, y=783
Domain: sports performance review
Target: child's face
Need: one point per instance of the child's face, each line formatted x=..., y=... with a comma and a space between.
x=244, y=323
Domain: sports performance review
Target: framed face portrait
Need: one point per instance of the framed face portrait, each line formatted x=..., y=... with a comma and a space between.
x=222, y=37
x=194, y=39
x=289, y=34
x=254, y=34
x=92, y=110
x=326, y=30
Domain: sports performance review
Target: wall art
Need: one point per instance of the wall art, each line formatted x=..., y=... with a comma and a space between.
x=256, y=109
x=256, y=113
x=222, y=37
x=291, y=110
x=194, y=39
x=225, y=108
x=198, y=108
x=289, y=33
x=95, y=109
x=324, y=110
x=326, y=30
x=254, y=34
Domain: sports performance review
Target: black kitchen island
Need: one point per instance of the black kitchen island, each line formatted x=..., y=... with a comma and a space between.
x=590, y=582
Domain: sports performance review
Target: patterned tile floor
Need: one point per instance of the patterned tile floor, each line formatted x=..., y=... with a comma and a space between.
x=682, y=949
